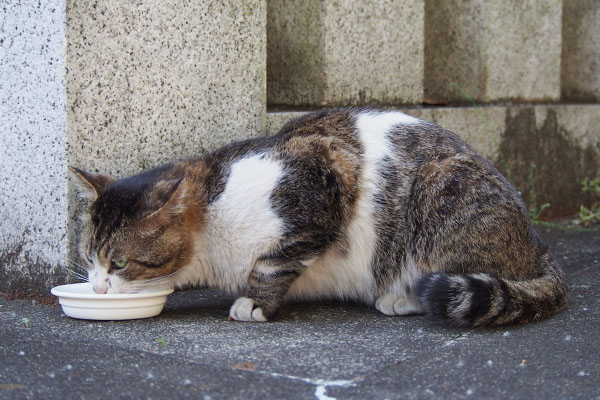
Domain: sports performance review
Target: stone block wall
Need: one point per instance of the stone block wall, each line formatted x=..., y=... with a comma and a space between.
x=492, y=50
x=580, y=74
x=334, y=53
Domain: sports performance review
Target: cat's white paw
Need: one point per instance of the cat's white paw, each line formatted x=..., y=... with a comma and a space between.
x=385, y=304
x=406, y=306
x=243, y=310
x=394, y=304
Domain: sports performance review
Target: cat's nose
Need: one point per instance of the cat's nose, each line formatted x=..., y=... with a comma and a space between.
x=100, y=290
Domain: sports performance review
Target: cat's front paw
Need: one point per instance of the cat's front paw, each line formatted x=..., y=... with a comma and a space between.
x=244, y=309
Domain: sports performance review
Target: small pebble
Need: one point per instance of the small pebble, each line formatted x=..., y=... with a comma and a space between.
x=506, y=334
x=568, y=338
x=489, y=363
x=582, y=373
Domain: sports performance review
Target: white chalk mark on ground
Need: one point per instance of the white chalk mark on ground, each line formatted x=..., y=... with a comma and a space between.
x=321, y=384
x=455, y=339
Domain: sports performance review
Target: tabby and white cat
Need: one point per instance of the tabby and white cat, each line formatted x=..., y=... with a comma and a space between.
x=357, y=204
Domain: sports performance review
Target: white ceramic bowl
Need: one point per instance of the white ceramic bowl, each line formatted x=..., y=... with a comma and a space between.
x=78, y=300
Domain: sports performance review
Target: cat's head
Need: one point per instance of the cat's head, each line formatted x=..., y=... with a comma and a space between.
x=138, y=231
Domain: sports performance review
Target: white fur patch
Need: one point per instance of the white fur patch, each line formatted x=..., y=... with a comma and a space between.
x=243, y=310
x=349, y=275
x=408, y=306
x=240, y=227
x=103, y=282
x=385, y=304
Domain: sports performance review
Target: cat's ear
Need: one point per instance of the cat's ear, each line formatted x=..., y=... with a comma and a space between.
x=90, y=185
x=167, y=198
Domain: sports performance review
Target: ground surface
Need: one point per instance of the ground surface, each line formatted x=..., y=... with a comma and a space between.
x=312, y=351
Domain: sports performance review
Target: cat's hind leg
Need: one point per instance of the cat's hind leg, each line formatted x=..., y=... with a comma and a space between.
x=397, y=304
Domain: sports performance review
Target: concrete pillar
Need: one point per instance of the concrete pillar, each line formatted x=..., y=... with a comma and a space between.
x=492, y=50
x=33, y=194
x=151, y=81
x=333, y=52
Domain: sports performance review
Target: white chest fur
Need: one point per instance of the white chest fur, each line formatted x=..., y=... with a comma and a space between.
x=240, y=226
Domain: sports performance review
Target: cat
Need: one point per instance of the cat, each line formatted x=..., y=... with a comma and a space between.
x=358, y=204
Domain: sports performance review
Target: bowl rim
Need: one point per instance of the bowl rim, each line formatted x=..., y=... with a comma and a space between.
x=59, y=291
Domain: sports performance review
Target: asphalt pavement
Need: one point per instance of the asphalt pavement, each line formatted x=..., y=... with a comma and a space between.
x=312, y=351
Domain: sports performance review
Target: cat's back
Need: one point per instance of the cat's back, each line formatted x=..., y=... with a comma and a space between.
x=373, y=133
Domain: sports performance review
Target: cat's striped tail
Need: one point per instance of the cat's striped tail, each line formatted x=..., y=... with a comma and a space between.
x=473, y=300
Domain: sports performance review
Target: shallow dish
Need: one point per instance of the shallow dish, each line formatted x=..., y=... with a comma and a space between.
x=78, y=300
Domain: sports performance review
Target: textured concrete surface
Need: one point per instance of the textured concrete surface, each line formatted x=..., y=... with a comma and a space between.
x=294, y=52
x=454, y=50
x=558, y=144
x=318, y=350
x=580, y=69
x=494, y=50
x=329, y=53
x=151, y=81
x=32, y=143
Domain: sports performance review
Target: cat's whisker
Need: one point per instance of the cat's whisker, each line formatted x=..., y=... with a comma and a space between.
x=79, y=272
x=140, y=285
x=76, y=264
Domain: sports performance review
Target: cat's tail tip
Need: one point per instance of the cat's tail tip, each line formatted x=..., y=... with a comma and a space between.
x=474, y=300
